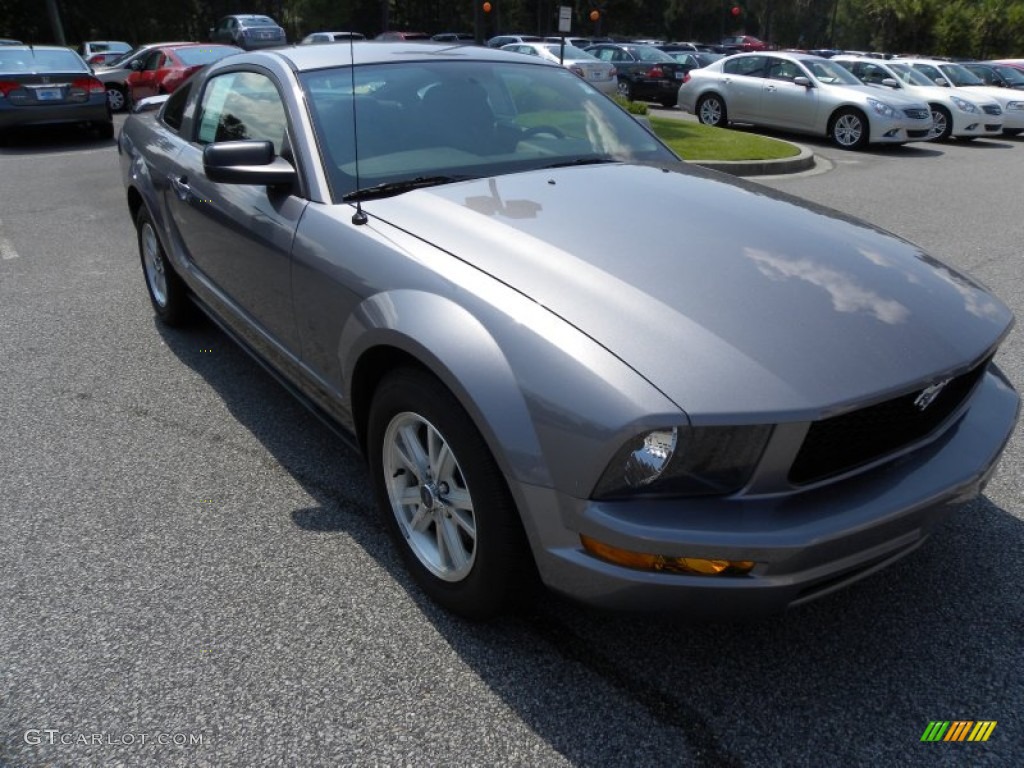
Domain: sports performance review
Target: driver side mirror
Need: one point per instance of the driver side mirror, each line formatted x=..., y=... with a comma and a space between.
x=801, y=80
x=247, y=162
x=941, y=82
x=889, y=82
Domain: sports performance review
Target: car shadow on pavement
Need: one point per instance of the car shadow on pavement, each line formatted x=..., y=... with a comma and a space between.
x=49, y=139
x=853, y=678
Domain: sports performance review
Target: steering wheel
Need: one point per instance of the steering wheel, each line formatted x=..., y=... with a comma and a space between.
x=540, y=129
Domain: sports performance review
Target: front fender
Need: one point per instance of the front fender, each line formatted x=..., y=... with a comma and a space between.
x=551, y=403
x=457, y=349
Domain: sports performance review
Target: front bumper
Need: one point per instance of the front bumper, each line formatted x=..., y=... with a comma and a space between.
x=898, y=130
x=805, y=545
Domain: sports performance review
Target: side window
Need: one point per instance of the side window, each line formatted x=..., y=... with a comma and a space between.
x=174, y=110
x=154, y=62
x=783, y=69
x=930, y=72
x=242, y=105
x=748, y=66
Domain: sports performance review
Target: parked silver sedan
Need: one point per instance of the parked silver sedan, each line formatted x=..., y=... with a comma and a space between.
x=739, y=412
x=953, y=114
x=803, y=93
x=599, y=74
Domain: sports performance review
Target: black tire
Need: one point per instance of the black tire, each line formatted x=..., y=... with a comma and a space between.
x=711, y=111
x=849, y=129
x=1012, y=131
x=942, y=123
x=667, y=101
x=625, y=89
x=472, y=560
x=167, y=291
x=117, y=98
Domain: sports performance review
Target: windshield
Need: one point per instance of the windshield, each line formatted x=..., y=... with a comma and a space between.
x=446, y=120
x=909, y=75
x=571, y=52
x=960, y=76
x=649, y=53
x=1011, y=75
x=14, y=60
x=830, y=73
x=206, y=54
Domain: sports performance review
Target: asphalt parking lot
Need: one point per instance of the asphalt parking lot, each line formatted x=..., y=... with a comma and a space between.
x=192, y=573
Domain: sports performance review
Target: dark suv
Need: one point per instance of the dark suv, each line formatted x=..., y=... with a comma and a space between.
x=248, y=31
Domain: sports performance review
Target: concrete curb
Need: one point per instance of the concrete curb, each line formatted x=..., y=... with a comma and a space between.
x=801, y=162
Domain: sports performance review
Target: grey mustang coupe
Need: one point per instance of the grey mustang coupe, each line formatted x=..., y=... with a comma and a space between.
x=462, y=259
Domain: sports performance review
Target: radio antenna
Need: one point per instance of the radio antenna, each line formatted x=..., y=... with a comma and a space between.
x=359, y=217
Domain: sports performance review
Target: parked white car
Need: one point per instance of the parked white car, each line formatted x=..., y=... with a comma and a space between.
x=599, y=74
x=951, y=75
x=952, y=113
x=803, y=93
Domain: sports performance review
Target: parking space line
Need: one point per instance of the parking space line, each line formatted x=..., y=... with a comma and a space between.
x=7, y=251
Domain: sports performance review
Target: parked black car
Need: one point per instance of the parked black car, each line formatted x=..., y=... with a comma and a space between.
x=248, y=32
x=645, y=72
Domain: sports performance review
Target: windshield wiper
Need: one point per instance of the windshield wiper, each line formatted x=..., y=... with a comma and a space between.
x=391, y=188
x=588, y=160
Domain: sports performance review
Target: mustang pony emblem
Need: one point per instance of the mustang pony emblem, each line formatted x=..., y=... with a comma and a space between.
x=928, y=394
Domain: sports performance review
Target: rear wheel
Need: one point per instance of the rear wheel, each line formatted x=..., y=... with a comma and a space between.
x=711, y=110
x=667, y=101
x=942, y=123
x=625, y=89
x=442, y=496
x=849, y=129
x=166, y=289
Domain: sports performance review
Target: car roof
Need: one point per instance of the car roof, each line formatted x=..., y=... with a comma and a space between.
x=310, y=57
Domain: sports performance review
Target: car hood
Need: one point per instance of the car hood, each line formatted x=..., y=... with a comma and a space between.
x=735, y=301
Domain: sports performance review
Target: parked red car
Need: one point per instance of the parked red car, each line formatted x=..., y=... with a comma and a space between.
x=743, y=43
x=167, y=67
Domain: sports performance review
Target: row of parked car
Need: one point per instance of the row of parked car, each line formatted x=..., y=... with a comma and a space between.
x=859, y=100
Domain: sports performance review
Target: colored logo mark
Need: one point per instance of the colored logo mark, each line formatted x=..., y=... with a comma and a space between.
x=958, y=730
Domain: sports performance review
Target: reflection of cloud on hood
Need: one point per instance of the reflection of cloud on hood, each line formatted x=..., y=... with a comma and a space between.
x=976, y=301
x=880, y=260
x=847, y=295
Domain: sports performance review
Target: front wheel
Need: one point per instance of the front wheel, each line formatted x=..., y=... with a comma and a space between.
x=1012, y=131
x=116, y=98
x=942, y=124
x=442, y=496
x=849, y=129
x=711, y=111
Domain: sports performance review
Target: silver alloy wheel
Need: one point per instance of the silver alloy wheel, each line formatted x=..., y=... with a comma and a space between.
x=939, y=124
x=848, y=129
x=116, y=98
x=429, y=496
x=711, y=111
x=153, y=261
x=624, y=90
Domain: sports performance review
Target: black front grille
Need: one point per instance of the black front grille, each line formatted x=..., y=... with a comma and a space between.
x=918, y=114
x=842, y=443
x=992, y=109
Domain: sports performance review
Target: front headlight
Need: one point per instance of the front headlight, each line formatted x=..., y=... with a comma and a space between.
x=882, y=108
x=1016, y=105
x=684, y=461
x=963, y=105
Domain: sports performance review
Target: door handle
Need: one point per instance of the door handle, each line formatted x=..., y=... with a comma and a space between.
x=181, y=188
